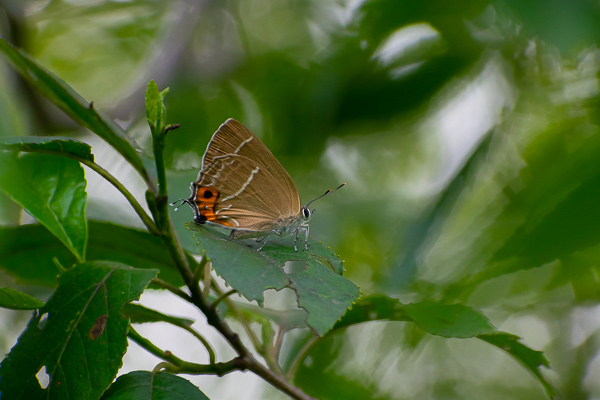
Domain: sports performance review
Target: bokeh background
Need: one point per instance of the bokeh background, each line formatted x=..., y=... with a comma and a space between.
x=467, y=132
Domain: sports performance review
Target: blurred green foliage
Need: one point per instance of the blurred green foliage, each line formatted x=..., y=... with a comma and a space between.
x=467, y=132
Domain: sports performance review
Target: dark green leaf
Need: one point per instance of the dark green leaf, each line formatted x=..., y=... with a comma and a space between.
x=106, y=242
x=72, y=103
x=79, y=336
x=139, y=314
x=248, y=271
x=324, y=294
x=52, y=190
x=15, y=300
x=321, y=291
x=49, y=145
x=531, y=359
x=144, y=385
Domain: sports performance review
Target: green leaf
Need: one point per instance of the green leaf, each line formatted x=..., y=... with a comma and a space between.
x=106, y=242
x=531, y=359
x=52, y=190
x=15, y=300
x=156, y=112
x=320, y=288
x=49, y=145
x=63, y=96
x=79, y=336
x=324, y=294
x=138, y=314
x=248, y=271
x=447, y=320
x=144, y=385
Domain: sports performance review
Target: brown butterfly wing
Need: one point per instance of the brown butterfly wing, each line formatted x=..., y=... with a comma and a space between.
x=234, y=138
x=237, y=192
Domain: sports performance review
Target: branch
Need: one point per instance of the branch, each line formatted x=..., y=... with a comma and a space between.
x=175, y=290
x=177, y=365
x=198, y=298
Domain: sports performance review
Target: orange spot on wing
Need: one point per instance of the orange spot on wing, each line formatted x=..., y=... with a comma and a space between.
x=205, y=200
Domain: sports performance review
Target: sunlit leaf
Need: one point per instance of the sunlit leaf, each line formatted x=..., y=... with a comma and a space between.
x=71, y=103
x=52, y=190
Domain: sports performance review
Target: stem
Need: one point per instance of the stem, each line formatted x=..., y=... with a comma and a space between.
x=221, y=298
x=278, y=381
x=278, y=342
x=146, y=220
x=219, y=369
x=175, y=364
x=175, y=290
x=270, y=349
x=207, y=346
x=158, y=141
x=246, y=325
x=207, y=276
x=301, y=356
x=153, y=349
x=199, y=271
x=233, y=339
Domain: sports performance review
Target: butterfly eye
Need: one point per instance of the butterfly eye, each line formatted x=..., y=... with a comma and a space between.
x=306, y=212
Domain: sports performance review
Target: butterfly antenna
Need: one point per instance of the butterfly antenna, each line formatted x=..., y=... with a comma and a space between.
x=324, y=194
x=183, y=201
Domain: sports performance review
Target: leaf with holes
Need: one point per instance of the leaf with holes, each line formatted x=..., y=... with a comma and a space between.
x=316, y=277
x=78, y=338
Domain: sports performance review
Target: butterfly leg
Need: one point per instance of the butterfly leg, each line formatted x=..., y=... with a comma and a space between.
x=266, y=239
x=305, y=229
x=306, y=238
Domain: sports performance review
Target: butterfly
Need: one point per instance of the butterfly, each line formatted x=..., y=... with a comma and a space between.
x=242, y=187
